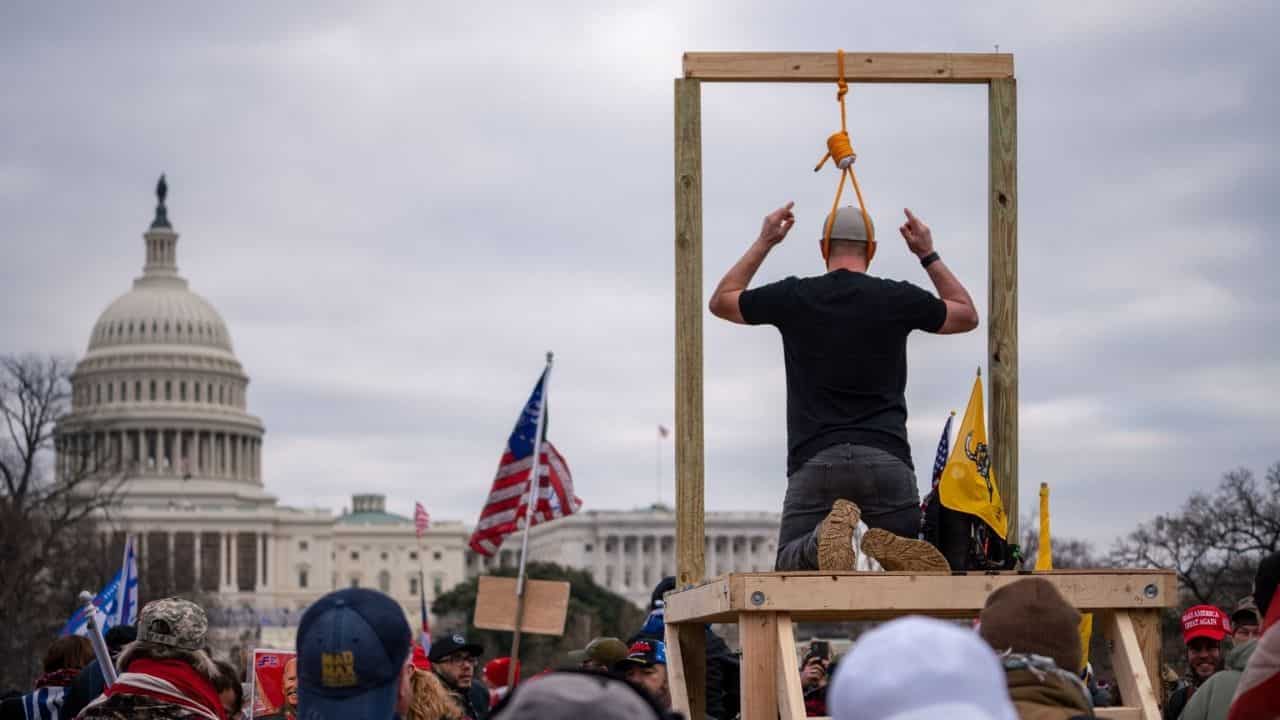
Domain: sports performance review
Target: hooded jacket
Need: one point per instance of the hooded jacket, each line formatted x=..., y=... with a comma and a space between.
x=1042, y=691
x=1212, y=700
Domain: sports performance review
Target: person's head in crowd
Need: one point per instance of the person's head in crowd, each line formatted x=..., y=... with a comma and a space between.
x=70, y=652
x=230, y=691
x=664, y=586
x=600, y=655
x=1246, y=621
x=431, y=699
x=171, y=629
x=575, y=695
x=1030, y=617
x=1265, y=583
x=1203, y=628
x=289, y=684
x=496, y=672
x=454, y=660
x=646, y=666
x=917, y=668
x=353, y=657
x=117, y=636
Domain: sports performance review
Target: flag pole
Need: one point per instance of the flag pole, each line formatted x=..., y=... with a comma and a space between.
x=97, y=641
x=529, y=508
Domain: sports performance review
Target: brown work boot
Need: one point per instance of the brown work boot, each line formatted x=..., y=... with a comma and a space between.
x=895, y=552
x=835, y=537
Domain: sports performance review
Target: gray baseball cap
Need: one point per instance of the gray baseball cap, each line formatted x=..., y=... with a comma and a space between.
x=174, y=622
x=849, y=225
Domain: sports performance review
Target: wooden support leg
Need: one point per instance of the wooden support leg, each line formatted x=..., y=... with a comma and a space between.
x=790, y=694
x=1146, y=623
x=675, y=670
x=1136, y=684
x=687, y=668
x=759, y=633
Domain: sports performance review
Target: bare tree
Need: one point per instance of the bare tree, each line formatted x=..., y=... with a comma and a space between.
x=1214, y=542
x=56, y=485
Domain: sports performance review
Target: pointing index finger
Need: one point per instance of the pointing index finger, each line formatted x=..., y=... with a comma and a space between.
x=910, y=217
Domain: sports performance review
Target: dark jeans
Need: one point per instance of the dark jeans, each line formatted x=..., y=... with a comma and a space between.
x=881, y=485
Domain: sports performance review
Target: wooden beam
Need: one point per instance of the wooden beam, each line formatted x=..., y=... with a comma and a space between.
x=1146, y=623
x=1118, y=713
x=690, y=563
x=1137, y=688
x=859, y=67
x=1002, y=292
x=790, y=693
x=759, y=694
x=675, y=670
x=878, y=596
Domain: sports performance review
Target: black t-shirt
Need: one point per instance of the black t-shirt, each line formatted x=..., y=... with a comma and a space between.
x=844, y=338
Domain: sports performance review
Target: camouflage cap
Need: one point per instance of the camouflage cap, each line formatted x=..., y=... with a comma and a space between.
x=174, y=622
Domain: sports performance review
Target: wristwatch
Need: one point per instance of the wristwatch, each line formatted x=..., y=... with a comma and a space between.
x=929, y=259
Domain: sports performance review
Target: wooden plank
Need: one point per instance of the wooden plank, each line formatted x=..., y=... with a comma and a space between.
x=546, y=604
x=1146, y=623
x=876, y=596
x=690, y=563
x=859, y=67
x=759, y=635
x=1118, y=713
x=693, y=647
x=1002, y=321
x=790, y=694
x=1136, y=686
x=675, y=670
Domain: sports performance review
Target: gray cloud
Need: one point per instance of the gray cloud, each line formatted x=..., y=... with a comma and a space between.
x=398, y=208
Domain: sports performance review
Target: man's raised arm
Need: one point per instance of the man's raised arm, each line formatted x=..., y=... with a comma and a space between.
x=724, y=300
x=962, y=316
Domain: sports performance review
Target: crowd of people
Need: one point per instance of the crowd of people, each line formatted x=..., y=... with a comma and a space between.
x=357, y=658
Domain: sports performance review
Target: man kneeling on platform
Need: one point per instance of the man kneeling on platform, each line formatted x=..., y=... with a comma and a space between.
x=844, y=338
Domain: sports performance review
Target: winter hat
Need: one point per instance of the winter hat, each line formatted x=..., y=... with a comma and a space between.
x=917, y=668
x=576, y=695
x=1030, y=617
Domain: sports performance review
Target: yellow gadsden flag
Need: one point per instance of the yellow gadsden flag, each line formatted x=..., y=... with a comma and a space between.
x=968, y=482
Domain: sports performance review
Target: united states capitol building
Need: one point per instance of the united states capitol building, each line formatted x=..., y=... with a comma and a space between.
x=160, y=402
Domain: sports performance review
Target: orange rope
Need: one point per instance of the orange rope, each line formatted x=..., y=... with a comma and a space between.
x=840, y=151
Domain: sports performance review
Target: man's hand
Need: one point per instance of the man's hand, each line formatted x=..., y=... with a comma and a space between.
x=777, y=224
x=813, y=674
x=917, y=234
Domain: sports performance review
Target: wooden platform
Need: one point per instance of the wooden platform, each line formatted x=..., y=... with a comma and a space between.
x=1127, y=604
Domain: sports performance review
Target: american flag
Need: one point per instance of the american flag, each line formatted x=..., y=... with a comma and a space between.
x=507, y=502
x=944, y=449
x=421, y=520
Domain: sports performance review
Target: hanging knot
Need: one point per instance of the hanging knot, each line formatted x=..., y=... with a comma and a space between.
x=842, y=89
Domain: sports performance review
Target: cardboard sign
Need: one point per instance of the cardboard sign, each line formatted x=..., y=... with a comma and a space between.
x=546, y=604
x=275, y=685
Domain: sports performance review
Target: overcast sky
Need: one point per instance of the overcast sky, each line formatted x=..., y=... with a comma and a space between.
x=399, y=207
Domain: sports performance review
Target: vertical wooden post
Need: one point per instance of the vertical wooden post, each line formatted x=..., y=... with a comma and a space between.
x=690, y=567
x=1146, y=624
x=690, y=563
x=1002, y=324
x=1137, y=688
x=759, y=694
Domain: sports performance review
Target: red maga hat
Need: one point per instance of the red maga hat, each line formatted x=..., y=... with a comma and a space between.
x=1205, y=621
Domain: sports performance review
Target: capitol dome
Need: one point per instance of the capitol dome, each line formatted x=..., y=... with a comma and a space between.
x=160, y=394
